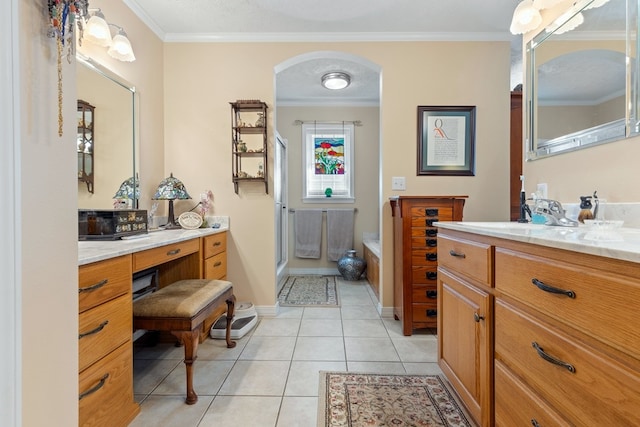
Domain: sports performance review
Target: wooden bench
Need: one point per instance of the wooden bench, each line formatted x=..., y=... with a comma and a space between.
x=181, y=308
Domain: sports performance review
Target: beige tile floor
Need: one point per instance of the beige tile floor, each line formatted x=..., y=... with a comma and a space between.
x=270, y=379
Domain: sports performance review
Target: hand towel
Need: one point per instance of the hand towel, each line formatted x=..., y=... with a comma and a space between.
x=308, y=232
x=339, y=232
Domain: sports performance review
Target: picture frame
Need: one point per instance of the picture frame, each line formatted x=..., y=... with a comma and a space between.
x=446, y=140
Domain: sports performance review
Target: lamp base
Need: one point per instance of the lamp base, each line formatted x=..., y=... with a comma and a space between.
x=171, y=222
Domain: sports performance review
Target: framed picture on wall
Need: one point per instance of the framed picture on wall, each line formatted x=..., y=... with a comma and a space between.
x=446, y=140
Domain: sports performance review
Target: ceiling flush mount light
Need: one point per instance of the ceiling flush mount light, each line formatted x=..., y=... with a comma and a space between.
x=121, y=47
x=336, y=80
x=526, y=17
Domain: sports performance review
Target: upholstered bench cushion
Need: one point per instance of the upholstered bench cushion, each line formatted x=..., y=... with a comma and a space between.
x=184, y=298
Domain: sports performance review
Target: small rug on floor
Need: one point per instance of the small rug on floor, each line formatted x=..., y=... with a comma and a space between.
x=359, y=400
x=300, y=291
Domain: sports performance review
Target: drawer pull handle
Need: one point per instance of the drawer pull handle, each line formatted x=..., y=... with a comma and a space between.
x=94, y=331
x=456, y=254
x=431, y=256
x=431, y=212
x=174, y=252
x=432, y=243
x=551, y=289
x=217, y=264
x=431, y=232
x=477, y=317
x=95, y=388
x=552, y=359
x=534, y=422
x=217, y=243
x=94, y=287
x=432, y=294
x=429, y=222
x=432, y=275
x=431, y=313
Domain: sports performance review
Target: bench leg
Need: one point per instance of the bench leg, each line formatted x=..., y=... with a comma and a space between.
x=231, y=303
x=190, y=339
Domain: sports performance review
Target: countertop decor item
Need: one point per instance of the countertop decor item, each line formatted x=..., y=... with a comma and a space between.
x=190, y=220
x=170, y=189
x=351, y=266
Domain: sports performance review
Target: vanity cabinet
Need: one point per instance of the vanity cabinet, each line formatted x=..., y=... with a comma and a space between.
x=249, y=142
x=465, y=316
x=105, y=343
x=415, y=256
x=215, y=267
x=553, y=336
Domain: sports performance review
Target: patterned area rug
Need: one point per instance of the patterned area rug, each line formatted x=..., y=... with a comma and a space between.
x=359, y=400
x=302, y=291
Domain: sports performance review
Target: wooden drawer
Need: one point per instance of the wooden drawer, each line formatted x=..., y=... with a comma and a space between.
x=424, y=257
x=166, y=253
x=424, y=275
x=104, y=280
x=442, y=213
x=594, y=390
x=104, y=328
x=472, y=259
x=424, y=242
x=107, y=387
x=425, y=312
x=215, y=244
x=216, y=266
x=517, y=405
x=597, y=295
x=424, y=294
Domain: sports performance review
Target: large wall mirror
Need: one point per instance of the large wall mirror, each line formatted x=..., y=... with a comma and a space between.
x=114, y=127
x=582, y=90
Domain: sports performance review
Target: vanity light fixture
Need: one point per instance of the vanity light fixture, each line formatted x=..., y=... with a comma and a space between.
x=336, y=80
x=121, y=47
x=171, y=189
x=97, y=30
x=596, y=3
x=568, y=25
x=526, y=17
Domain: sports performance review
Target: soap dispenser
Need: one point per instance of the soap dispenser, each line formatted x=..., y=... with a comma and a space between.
x=585, y=209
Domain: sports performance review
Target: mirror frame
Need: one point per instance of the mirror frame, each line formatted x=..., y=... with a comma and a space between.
x=115, y=78
x=609, y=132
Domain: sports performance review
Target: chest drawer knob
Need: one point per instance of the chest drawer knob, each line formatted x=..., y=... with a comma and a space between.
x=431, y=256
x=552, y=359
x=544, y=287
x=429, y=222
x=431, y=275
x=432, y=243
x=93, y=287
x=432, y=294
x=431, y=232
x=431, y=313
x=431, y=212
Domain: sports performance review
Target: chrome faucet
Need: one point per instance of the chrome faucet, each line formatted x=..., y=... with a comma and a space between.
x=553, y=213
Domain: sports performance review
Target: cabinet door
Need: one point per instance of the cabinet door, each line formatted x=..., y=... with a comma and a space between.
x=464, y=346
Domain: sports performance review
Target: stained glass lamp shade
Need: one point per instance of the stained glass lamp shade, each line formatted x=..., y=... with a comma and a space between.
x=171, y=189
x=129, y=189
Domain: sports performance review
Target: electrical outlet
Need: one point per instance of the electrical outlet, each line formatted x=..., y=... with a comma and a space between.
x=398, y=183
x=542, y=191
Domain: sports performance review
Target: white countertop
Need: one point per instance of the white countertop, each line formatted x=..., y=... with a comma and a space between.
x=97, y=250
x=373, y=245
x=622, y=243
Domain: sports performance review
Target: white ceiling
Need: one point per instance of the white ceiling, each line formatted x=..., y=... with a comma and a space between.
x=328, y=20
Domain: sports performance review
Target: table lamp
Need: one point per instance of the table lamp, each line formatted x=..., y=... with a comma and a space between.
x=170, y=189
x=129, y=190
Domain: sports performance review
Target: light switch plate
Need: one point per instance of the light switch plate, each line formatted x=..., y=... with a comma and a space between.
x=398, y=183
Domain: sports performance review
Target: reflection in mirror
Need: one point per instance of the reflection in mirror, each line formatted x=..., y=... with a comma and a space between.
x=114, y=126
x=577, y=81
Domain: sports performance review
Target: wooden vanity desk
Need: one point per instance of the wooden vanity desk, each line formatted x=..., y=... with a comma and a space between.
x=105, y=282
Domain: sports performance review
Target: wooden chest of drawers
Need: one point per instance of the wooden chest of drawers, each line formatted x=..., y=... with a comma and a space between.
x=415, y=240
